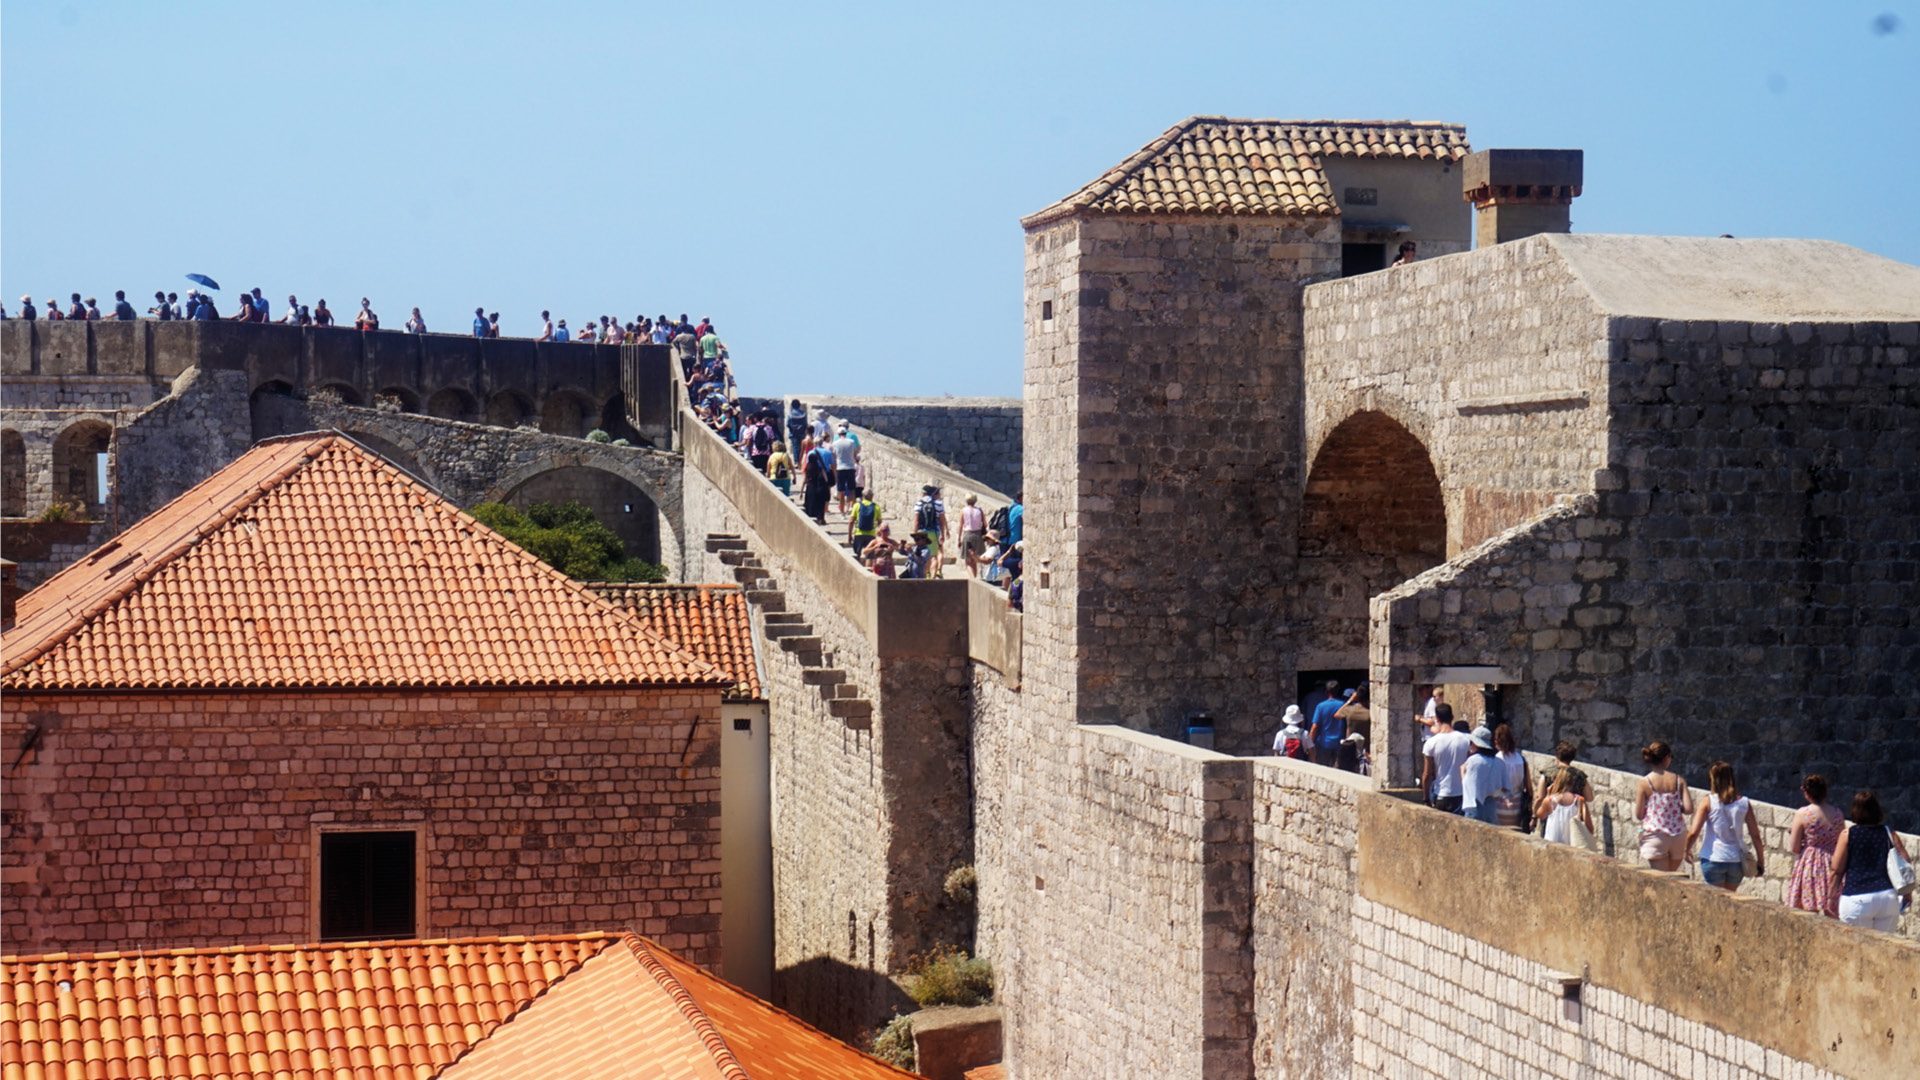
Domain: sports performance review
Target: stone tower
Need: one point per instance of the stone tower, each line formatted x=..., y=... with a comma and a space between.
x=1164, y=404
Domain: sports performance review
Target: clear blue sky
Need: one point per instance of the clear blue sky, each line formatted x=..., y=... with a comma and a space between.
x=840, y=188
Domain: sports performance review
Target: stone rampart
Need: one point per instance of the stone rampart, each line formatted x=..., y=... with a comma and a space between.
x=897, y=473
x=1618, y=832
x=977, y=437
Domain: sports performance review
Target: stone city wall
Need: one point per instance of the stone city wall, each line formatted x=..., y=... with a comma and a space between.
x=168, y=447
x=191, y=819
x=1618, y=832
x=896, y=473
x=871, y=810
x=1385, y=939
x=978, y=437
x=1740, y=585
x=1163, y=390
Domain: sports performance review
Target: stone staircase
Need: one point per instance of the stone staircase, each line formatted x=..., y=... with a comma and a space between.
x=791, y=631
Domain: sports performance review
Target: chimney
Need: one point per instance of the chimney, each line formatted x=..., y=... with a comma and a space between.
x=1517, y=193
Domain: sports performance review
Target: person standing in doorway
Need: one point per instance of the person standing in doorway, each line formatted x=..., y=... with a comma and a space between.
x=1325, y=728
x=1406, y=256
x=1442, y=758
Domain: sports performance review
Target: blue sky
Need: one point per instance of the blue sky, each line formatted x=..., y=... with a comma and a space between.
x=837, y=186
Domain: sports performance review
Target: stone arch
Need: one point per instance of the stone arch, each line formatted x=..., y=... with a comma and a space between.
x=13, y=474
x=617, y=501
x=613, y=419
x=261, y=404
x=1372, y=515
x=1328, y=414
x=406, y=457
x=509, y=409
x=409, y=401
x=569, y=413
x=346, y=392
x=79, y=464
x=453, y=403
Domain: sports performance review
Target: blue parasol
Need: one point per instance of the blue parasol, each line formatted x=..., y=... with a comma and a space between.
x=204, y=280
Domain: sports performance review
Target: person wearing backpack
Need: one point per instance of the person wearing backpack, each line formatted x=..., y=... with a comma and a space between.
x=930, y=517
x=760, y=444
x=780, y=469
x=1291, y=739
x=863, y=522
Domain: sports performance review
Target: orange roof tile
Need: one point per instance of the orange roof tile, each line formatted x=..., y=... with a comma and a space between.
x=311, y=562
x=385, y=1010
x=1217, y=165
x=609, y=1006
x=641, y=1012
x=712, y=622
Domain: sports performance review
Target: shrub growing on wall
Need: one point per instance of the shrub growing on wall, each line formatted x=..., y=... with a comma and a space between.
x=568, y=538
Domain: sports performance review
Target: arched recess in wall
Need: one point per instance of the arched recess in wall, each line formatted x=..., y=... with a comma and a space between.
x=13, y=474
x=508, y=409
x=1372, y=516
x=613, y=420
x=395, y=453
x=270, y=406
x=617, y=502
x=79, y=465
x=565, y=412
x=345, y=392
x=407, y=400
x=453, y=403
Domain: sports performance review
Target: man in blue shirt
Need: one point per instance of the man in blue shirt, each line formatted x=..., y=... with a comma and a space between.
x=479, y=322
x=122, y=311
x=560, y=333
x=1328, y=729
x=259, y=305
x=1016, y=512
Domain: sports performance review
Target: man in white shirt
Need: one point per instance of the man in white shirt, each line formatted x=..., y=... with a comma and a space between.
x=1441, y=760
x=1480, y=778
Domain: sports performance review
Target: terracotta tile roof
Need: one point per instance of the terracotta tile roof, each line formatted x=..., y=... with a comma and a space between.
x=608, y=1006
x=396, y=1009
x=310, y=562
x=1217, y=165
x=712, y=622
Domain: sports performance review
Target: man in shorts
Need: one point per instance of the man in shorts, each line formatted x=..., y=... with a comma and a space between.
x=846, y=461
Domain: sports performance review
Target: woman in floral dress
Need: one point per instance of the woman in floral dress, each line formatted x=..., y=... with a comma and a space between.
x=1816, y=828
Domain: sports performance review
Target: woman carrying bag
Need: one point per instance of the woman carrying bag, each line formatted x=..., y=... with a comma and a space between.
x=1871, y=871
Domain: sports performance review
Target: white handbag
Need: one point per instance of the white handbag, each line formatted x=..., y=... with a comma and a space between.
x=1899, y=870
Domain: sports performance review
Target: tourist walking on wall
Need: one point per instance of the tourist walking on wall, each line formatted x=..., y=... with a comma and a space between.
x=1291, y=740
x=1326, y=728
x=1563, y=753
x=366, y=320
x=846, y=462
x=161, y=310
x=1661, y=803
x=780, y=469
x=1816, y=831
x=1515, y=799
x=816, y=475
x=1441, y=760
x=27, y=310
x=123, y=311
x=416, y=323
x=919, y=556
x=973, y=534
x=292, y=317
x=321, y=315
x=930, y=517
x=863, y=522
x=546, y=326
x=1869, y=896
x=93, y=309
x=480, y=323
x=796, y=422
x=1481, y=779
x=1559, y=807
x=1717, y=824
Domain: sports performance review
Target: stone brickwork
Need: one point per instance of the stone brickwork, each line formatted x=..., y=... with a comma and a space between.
x=1618, y=832
x=1737, y=582
x=192, y=819
x=1164, y=389
x=869, y=734
x=178, y=441
x=980, y=437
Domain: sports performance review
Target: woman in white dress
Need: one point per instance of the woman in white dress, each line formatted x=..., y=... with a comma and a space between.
x=1560, y=808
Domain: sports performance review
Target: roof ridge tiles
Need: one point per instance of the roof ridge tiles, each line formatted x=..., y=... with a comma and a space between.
x=309, y=946
x=696, y=1017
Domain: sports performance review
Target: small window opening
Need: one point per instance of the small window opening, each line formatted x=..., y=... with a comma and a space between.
x=741, y=723
x=1046, y=311
x=367, y=885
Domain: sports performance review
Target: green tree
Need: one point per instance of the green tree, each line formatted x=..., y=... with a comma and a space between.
x=568, y=538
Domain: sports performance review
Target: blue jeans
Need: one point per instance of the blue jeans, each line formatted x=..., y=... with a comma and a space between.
x=1724, y=874
x=1485, y=812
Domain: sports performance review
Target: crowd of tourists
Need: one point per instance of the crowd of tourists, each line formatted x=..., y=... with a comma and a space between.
x=254, y=307
x=821, y=457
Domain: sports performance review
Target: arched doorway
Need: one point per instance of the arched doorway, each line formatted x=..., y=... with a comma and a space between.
x=567, y=413
x=13, y=474
x=268, y=405
x=397, y=399
x=616, y=502
x=508, y=409
x=453, y=403
x=1372, y=516
x=80, y=465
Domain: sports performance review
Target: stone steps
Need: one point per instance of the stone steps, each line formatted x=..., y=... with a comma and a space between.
x=794, y=633
x=823, y=676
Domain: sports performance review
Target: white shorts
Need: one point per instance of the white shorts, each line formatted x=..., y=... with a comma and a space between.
x=1874, y=910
